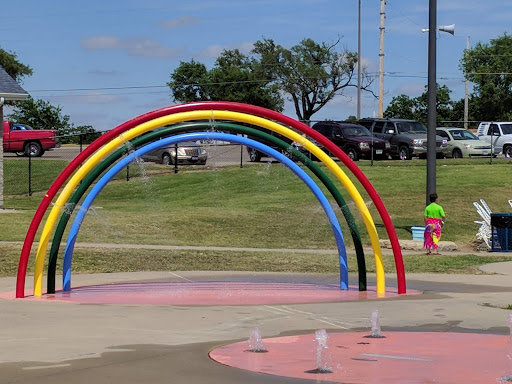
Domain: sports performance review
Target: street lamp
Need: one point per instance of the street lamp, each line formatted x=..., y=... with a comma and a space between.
x=432, y=94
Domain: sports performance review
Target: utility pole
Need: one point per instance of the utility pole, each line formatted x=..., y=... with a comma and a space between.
x=359, y=63
x=431, y=108
x=381, y=58
x=466, y=99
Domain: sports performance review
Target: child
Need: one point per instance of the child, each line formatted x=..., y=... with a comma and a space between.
x=434, y=220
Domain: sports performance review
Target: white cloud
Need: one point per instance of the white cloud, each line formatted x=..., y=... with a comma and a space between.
x=179, y=22
x=134, y=46
x=409, y=89
x=213, y=51
x=100, y=42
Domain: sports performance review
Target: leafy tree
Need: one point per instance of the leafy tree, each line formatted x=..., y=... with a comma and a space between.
x=11, y=65
x=188, y=81
x=311, y=73
x=416, y=108
x=489, y=67
x=39, y=114
x=233, y=78
x=401, y=107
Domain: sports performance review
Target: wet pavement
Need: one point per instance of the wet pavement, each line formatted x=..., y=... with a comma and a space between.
x=131, y=342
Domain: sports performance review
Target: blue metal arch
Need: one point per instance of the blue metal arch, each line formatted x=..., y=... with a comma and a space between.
x=338, y=235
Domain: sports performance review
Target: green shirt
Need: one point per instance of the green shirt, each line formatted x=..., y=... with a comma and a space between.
x=434, y=210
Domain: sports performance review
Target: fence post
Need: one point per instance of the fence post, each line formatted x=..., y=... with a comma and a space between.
x=176, y=158
x=30, y=173
x=241, y=156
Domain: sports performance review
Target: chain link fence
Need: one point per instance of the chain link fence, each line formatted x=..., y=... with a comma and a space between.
x=25, y=175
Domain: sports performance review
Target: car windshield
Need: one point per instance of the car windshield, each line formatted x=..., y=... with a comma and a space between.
x=356, y=131
x=411, y=127
x=462, y=134
x=507, y=129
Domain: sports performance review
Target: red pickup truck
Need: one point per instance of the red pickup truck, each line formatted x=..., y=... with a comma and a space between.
x=26, y=141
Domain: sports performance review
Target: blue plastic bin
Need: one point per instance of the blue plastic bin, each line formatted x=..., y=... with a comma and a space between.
x=501, y=224
x=417, y=233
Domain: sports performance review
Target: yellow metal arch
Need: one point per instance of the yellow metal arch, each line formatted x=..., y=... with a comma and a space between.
x=206, y=115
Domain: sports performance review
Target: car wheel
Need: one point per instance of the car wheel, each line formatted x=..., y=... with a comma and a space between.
x=457, y=154
x=507, y=151
x=166, y=159
x=404, y=153
x=352, y=153
x=20, y=153
x=33, y=149
x=254, y=155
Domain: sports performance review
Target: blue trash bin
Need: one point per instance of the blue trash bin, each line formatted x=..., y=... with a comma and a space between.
x=501, y=224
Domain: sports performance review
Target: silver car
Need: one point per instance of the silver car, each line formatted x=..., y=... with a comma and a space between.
x=463, y=143
x=189, y=152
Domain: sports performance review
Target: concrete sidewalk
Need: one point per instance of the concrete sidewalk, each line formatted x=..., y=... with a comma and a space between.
x=55, y=342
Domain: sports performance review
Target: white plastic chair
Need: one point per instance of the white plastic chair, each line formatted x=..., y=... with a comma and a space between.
x=484, y=233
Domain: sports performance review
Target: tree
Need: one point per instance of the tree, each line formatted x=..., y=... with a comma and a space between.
x=311, y=73
x=489, y=67
x=401, y=107
x=234, y=77
x=416, y=108
x=11, y=65
x=187, y=82
x=39, y=114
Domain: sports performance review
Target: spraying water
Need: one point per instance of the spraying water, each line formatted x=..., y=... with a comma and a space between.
x=255, y=341
x=322, y=354
x=375, y=322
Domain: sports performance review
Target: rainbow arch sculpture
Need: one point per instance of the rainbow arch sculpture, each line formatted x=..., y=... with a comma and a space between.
x=263, y=117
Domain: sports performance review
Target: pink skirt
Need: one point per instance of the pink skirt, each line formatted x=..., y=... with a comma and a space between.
x=432, y=234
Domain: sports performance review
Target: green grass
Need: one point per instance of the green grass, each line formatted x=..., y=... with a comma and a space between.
x=103, y=260
x=263, y=206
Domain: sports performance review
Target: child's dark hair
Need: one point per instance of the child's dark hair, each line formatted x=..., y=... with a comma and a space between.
x=433, y=197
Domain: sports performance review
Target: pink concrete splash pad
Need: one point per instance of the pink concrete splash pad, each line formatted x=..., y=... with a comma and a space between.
x=211, y=293
x=400, y=357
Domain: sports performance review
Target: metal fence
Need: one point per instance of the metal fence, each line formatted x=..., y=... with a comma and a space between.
x=25, y=175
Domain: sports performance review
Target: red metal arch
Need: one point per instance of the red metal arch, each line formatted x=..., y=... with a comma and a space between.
x=209, y=105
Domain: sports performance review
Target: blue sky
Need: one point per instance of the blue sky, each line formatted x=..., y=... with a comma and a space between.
x=105, y=62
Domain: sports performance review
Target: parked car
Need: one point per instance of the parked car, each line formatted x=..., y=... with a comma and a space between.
x=407, y=138
x=462, y=143
x=26, y=141
x=499, y=133
x=355, y=140
x=189, y=152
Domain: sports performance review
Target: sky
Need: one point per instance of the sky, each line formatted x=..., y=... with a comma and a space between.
x=106, y=62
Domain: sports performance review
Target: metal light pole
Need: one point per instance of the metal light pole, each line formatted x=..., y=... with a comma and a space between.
x=431, y=106
x=359, y=63
x=381, y=57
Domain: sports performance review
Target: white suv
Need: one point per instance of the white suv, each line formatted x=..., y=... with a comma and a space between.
x=499, y=134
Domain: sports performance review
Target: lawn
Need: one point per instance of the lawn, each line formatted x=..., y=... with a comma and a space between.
x=262, y=206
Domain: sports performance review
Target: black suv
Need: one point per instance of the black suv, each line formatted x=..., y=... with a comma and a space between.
x=408, y=138
x=355, y=140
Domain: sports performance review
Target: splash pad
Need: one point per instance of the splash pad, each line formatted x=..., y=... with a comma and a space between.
x=211, y=111
x=400, y=357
